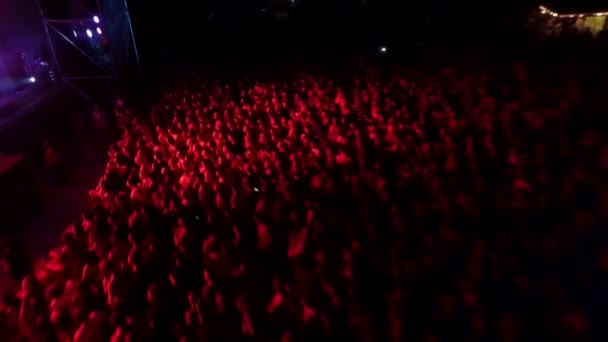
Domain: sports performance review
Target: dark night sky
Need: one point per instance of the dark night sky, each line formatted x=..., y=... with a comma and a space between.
x=20, y=26
x=570, y=6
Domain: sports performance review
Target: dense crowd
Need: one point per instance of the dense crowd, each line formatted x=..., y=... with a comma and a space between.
x=382, y=206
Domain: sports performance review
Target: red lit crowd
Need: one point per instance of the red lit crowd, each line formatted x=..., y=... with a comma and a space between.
x=379, y=207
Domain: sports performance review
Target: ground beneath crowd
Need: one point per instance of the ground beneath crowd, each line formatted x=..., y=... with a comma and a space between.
x=62, y=205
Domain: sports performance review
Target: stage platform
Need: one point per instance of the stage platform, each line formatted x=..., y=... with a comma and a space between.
x=15, y=105
x=33, y=115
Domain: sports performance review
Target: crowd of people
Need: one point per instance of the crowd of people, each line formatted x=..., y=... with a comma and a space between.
x=399, y=205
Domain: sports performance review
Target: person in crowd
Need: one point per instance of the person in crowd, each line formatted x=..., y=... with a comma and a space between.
x=54, y=164
x=101, y=127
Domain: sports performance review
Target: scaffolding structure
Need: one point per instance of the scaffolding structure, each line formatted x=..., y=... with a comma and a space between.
x=95, y=35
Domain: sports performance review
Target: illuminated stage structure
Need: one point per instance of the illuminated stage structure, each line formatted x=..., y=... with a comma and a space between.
x=555, y=23
x=91, y=43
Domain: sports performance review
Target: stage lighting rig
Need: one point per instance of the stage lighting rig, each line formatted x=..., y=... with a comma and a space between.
x=90, y=41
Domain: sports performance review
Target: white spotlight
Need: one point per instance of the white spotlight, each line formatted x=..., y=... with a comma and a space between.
x=98, y=30
x=89, y=33
x=383, y=49
x=75, y=34
x=32, y=79
x=96, y=19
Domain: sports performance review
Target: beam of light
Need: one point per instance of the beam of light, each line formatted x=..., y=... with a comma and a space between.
x=32, y=79
x=98, y=30
x=75, y=34
x=96, y=19
x=89, y=33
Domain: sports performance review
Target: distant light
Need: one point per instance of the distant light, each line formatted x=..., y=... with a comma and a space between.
x=383, y=49
x=96, y=19
x=98, y=30
x=89, y=33
x=32, y=79
x=75, y=34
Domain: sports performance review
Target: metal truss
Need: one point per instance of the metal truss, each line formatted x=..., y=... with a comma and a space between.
x=106, y=75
